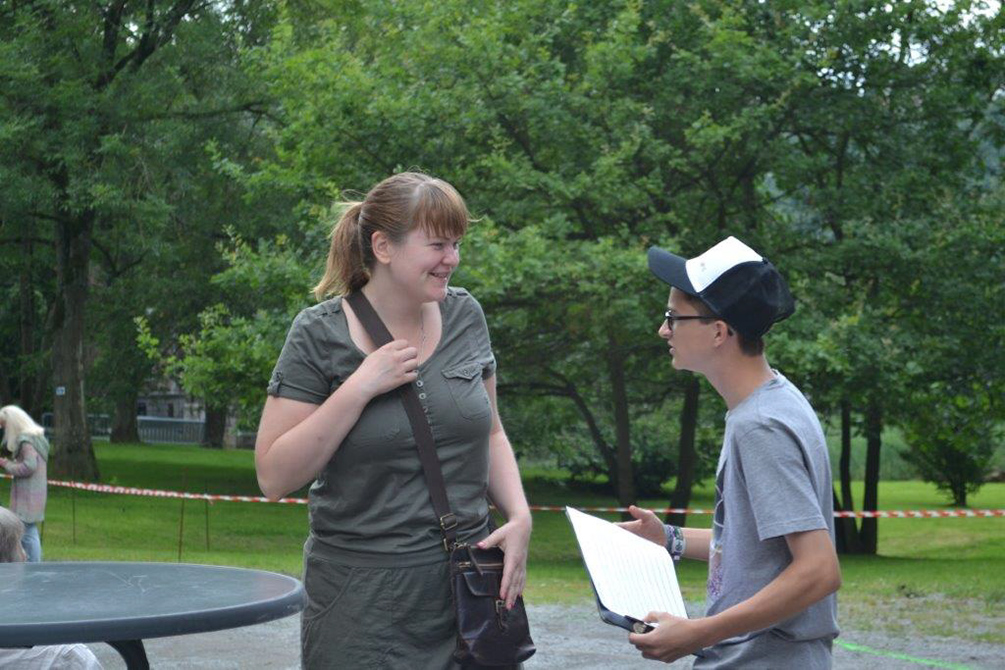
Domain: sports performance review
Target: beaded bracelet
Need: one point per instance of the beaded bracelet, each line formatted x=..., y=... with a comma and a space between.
x=675, y=541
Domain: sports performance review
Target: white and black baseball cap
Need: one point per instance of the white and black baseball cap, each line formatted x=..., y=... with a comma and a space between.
x=739, y=285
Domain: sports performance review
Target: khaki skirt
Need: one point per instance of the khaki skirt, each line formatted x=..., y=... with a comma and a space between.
x=377, y=617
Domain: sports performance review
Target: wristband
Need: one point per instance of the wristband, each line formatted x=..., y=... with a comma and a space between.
x=675, y=541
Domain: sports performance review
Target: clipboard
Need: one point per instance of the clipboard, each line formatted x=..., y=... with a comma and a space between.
x=630, y=576
x=631, y=624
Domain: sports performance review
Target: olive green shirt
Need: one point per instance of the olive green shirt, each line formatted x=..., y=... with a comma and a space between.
x=370, y=505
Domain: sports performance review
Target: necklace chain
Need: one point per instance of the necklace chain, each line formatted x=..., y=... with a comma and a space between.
x=422, y=333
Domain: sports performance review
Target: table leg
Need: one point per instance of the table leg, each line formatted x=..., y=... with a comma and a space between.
x=132, y=653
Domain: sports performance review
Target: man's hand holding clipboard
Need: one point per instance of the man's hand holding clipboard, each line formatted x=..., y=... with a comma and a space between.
x=672, y=638
x=667, y=637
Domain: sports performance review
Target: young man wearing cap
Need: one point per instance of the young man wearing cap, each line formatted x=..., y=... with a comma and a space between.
x=773, y=571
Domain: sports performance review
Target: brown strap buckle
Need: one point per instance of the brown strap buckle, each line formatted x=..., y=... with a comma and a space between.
x=447, y=523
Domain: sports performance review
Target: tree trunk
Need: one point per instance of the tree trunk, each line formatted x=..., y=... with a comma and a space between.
x=869, y=534
x=26, y=311
x=216, y=425
x=959, y=490
x=840, y=540
x=622, y=427
x=124, y=426
x=42, y=379
x=599, y=442
x=686, y=454
x=43, y=373
x=846, y=538
x=6, y=395
x=845, y=528
x=73, y=452
x=847, y=499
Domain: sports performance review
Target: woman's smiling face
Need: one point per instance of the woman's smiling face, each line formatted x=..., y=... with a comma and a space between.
x=423, y=263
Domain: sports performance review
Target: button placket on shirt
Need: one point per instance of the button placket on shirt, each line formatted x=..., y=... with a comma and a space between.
x=422, y=395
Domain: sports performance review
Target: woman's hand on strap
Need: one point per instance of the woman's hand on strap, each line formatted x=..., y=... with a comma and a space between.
x=387, y=368
x=513, y=538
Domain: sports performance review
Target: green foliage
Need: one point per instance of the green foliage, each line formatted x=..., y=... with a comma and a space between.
x=107, y=110
x=654, y=450
x=953, y=414
x=953, y=440
x=579, y=134
x=583, y=134
x=231, y=356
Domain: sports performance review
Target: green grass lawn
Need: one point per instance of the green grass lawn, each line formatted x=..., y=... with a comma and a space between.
x=926, y=568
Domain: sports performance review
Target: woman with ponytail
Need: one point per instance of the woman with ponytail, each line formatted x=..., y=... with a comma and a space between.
x=29, y=450
x=375, y=570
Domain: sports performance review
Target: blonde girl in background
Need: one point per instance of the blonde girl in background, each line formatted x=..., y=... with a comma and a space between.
x=29, y=451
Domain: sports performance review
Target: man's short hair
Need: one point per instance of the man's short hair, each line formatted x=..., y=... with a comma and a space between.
x=748, y=346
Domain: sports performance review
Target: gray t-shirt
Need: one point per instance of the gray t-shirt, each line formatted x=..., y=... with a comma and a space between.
x=370, y=505
x=773, y=478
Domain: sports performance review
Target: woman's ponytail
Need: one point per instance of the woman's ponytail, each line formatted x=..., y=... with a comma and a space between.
x=346, y=269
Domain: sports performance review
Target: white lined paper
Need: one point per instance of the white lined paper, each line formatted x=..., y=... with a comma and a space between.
x=632, y=576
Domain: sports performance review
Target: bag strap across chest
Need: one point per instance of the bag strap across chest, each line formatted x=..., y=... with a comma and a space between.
x=380, y=336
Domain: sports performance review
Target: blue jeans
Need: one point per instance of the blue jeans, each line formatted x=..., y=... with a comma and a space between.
x=31, y=543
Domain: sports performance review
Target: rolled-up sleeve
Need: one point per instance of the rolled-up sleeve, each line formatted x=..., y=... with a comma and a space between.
x=300, y=371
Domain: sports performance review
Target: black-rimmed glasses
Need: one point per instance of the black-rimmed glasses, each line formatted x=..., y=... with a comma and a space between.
x=670, y=318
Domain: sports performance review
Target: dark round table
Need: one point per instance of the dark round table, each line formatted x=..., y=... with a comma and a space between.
x=123, y=603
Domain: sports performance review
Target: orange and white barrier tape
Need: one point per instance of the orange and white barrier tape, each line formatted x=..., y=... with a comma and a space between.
x=922, y=513
x=216, y=497
x=879, y=514
x=157, y=493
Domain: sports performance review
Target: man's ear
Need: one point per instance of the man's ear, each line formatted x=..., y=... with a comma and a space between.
x=722, y=333
x=381, y=246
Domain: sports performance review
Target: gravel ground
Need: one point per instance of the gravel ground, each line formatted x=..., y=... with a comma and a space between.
x=566, y=637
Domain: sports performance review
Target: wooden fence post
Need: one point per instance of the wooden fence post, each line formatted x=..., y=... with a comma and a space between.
x=181, y=519
x=205, y=489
